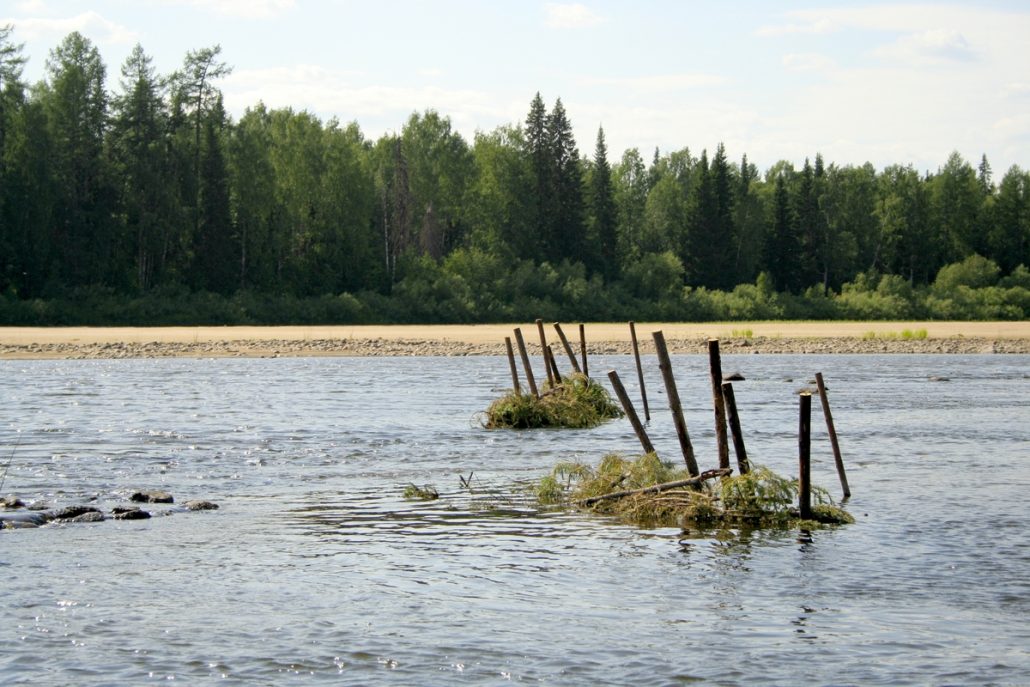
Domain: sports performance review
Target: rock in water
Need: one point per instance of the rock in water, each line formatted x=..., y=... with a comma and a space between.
x=129, y=513
x=152, y=496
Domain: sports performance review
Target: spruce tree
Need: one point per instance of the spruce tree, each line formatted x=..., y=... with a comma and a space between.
x=603, y=211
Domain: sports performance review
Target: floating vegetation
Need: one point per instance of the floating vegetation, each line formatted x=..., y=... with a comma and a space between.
x=425, y=493
x=577, y=402
x=649, y=492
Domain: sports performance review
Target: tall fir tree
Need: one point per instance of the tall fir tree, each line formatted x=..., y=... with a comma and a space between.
x=566, y=235
x=604, y=220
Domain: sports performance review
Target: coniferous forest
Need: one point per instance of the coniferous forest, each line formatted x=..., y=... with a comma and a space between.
x=138, y=200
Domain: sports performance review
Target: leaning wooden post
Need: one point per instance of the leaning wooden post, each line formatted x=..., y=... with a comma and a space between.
x=640, y=370
x=543, y=351
x=743, y=466
x=805, y=458
x=524, y=354
x=631, y=412
x=833, y=435
x=568, y=347
x=665, y=365
x=552, y=366
x=715, y=367
x=583, y=348
x=511, y=364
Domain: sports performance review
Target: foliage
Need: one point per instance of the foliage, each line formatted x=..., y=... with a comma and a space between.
x=760, y=498
x=577, y=402
x=148, y=201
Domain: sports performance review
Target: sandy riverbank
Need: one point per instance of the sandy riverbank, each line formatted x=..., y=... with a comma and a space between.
x=379, y=340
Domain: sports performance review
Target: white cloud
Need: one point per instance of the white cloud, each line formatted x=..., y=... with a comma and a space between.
x=1016, y=90
x=808, y=62
x=934, y=46
x=90, y=24
x=342, y=94
x=570, y=16
x=245, y=9
x=659, y=83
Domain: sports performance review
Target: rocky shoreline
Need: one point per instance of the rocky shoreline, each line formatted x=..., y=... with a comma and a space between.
x=382, y=347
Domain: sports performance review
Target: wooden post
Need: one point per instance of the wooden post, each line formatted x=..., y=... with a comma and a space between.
x=543, y=351
x=511, y=364
x=583, y=348
x=833, y=435
x=631, y=412
x=665, y=365
x=568, y=347
x=552, y=366
x=640, y=370
x=743, y=466
x=715, y=366
x=805, y=458
x=525, y=362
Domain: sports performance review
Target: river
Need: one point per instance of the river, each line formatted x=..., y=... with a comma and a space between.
x=316, y=570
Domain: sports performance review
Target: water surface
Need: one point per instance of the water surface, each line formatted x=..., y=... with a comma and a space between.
x=316, y=570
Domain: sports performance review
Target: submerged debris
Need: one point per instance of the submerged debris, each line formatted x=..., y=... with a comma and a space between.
x=577, y=402
x=650, y=492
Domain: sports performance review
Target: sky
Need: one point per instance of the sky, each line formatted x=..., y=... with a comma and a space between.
x=861, y=81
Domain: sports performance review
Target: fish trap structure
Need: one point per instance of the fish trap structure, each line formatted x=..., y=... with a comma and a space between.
x=649, y=491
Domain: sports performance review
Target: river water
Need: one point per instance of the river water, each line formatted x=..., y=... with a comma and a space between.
x=315, y=569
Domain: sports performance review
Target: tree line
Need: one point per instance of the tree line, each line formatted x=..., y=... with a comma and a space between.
x=148, y=204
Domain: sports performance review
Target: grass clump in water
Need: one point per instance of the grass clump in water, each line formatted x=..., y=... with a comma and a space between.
x=760, y=498
x=578, y=402
x=428, y=492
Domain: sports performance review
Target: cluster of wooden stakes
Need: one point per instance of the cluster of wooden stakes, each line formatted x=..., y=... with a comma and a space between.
x=723, y=401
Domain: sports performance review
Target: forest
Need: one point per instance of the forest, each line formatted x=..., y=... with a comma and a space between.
x=146, y=204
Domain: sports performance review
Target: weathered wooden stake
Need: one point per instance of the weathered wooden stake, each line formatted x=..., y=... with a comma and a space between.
x=511, y=364
x=715, y=365
x=543, y=351
x=524, y=354
x=805, y=458
x=833, y=435
x=665, y=365
x=640, y=370
x=552, y=366
x=583, y=348
x=568, y=347
x=743, y=466
x=631, y=413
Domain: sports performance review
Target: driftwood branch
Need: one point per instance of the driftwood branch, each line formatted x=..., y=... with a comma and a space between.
x=657, y=488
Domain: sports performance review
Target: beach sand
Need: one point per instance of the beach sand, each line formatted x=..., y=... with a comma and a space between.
x=451, y=340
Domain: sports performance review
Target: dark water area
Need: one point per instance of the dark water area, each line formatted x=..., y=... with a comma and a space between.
x=316, y=570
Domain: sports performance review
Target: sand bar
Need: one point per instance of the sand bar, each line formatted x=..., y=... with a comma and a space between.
x=378, y=340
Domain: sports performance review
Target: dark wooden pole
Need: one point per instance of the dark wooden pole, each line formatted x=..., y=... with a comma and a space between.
x=631, y=412
x=583, y=348
x=524, y=354
x=552, y=366
x=833, y=435
x=715, y=366
x=543, y=351
x=568, y=347
x=743, y=466
x=805, y=458
x=665, y=365
x=640, y=369
x=511, y=364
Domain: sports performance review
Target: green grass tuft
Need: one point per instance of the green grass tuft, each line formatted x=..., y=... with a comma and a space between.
x=760, y=498
x=578, y=402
